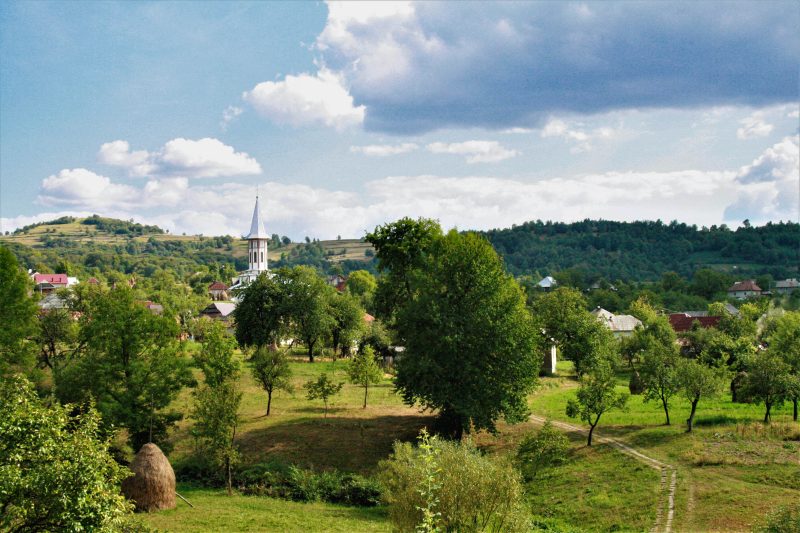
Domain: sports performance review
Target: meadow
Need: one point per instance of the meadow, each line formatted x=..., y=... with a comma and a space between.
x=731, y=469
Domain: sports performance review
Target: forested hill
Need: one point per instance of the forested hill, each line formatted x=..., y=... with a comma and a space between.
x=645, y=250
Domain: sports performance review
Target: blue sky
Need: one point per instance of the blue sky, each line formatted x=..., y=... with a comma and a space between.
x=347, y=115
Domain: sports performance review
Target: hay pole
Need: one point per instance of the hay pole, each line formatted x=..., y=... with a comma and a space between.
x=184, y=499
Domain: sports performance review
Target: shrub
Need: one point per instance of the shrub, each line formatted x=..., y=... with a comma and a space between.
x=636, y=385
x=461, y=491
x=548, y=447
x=784, y=519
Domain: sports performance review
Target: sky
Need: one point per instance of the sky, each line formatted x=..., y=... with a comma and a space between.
x=342, y=116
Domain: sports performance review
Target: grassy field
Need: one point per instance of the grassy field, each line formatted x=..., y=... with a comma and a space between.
x=730, y=470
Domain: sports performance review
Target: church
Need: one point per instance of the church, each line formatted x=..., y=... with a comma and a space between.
x=257, y=241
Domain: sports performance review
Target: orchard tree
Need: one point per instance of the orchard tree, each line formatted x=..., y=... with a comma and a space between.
x=348, y=321
x=697, y=381
x=271, y=370
x=472, y=351
x=362, y=285
x=364, y=370
x=216, y=358
x=323, y=388
x=56, y=473
x=261, y=316
x=769, y=382
x=17, y=316
x=307, y=304
x=133, y=365
x=784, y=342
x=596, y=396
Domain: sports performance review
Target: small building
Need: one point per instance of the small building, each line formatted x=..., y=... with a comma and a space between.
x=683, y=322
x=156, y=309
x=337, y=281
x=219, y=310
x=58, y=281
x=786, y=286
x=547, y=283
x=620, y=325
x=45, y=288
x=218, y=291
x=744, y=289
x=52, y=302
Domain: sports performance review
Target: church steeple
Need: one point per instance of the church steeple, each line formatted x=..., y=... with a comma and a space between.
x=257, y=243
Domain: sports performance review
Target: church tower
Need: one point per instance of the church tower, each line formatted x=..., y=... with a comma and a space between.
x=257, y=244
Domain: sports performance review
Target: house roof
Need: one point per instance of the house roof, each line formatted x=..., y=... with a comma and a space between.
x=547, y=282
x=257, y=230
x=368, y=318
x=787, y=284
x=601, y=313
x=93, y=281
x=624, y=323
x=218, y=286
x=52, y=301
x=681, y=322
x=223, y=308
x=746, y=285
x=55, y=279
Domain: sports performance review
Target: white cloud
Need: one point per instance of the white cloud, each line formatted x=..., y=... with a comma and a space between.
x=229, y=115
x=84, y=189
x=383, y=150
x=769, y=187
x=307, y=99
x=754, y=126
x=581, y=139
x=476, y=151
x=794, y=114
x=202, y=158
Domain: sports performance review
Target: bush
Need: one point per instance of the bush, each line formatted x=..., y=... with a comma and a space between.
x=548, y=447
x=636, y=385
x=450, y=485
x=784, y=519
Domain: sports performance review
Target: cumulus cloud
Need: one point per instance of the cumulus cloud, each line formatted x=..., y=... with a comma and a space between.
x=229, y=115
x=754, y=126
x=319, y=98
x=769, y=187
x=202, y=158
x=581, y=140
x=476, y=151
x=505, y=65
x=84, y=189
x=383, y=150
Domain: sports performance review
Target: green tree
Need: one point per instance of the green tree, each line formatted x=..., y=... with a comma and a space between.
x=322, y=389
x=307, y=301
x=56, y=473
x=363, y=370
x=472, y=351
x=784, y=341
x=272, y=371
x=215, y=412
x=697, y=381
x=709, y=283
x=547, y=447
x=17, y=316
x=362, y=284
x=348, y=321
x=769, y=382
x=57, y=337
x=261, y=316
x=597, y=395
x=216, y=358
x=133, y=366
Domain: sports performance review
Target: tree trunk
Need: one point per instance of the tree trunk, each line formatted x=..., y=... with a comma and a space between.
x=666, y=408
x=269, y=401
x=591, y=430
x=794, y=413
x=326, y=407
x=767, y=416
x=310, y=351
x=366, y=388
x=230, y=481
x=691, y=415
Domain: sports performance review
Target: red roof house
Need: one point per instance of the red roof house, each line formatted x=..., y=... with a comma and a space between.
x=682, y=322
x=744, y=289
x=52, y=279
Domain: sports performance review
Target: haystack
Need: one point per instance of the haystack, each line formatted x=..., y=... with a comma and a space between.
x=152, y=485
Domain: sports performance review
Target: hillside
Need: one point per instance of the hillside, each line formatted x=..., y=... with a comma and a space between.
x=631, y=251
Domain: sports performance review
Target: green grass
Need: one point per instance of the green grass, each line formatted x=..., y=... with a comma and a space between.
x=214, y=510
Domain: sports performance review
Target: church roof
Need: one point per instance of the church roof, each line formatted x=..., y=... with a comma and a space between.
x=257, y=230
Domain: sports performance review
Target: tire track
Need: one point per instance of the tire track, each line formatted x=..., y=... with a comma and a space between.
x=666, y=500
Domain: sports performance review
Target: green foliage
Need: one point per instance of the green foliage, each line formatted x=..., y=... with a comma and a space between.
x=132, y=364
x=454, y=486
x=17, y=316
x=323, y=388
x=362, y=284
x=547, y=447
x=261, y=315
x=697, y=381
x=472, y=351
x=784, y=519
x=348, y=321
x=56, y=473
x=216, y=357
x=769, y=381
x=272, y=371
x=307, y=304
x=364, y=370
x=596, y=396
x=57, y=337
x=121, y=227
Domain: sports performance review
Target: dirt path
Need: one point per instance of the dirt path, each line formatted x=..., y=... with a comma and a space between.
x=669, y=474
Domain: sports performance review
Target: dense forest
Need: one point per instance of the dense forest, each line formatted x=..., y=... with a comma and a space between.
x=639, y=251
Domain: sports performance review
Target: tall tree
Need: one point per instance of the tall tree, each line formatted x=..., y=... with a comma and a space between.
x=364, y=370
x=57, y=337
x=596, y=396
x=362, y=285
x=215, y=411
x=216, y=358
x=272, y=371
x=697, y=381
x=307, y=301
x=784, y=341
x=348, y=321
x=261, y=316
x=472, y=351
x=17, y=316
x=133, y=366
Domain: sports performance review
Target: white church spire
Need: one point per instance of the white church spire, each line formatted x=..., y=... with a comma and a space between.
x=257, y=226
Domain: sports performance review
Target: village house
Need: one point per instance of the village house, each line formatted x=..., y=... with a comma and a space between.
x=48, y=283
x=620, y=325
x=744, y=289
x=786, y=286
x=682, y=322
x=218, y=291
x=219, y=311
x=547, y=283
x=337, y=281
